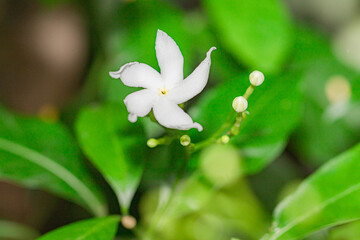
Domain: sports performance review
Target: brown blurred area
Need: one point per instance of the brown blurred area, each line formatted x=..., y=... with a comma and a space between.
x=43, y=60
x=43, y=54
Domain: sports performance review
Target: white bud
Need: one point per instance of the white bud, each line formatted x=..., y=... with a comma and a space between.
x=240, y=104
x=129, y=222
x=256, y=78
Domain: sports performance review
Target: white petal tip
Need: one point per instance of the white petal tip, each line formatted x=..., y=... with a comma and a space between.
x=198, y=127
x=161, y=34
x=210, y=51
x=132, y=118
x=117, y=74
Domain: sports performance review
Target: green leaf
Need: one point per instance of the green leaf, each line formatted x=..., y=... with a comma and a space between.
x=274, y=111
x=91, y=229
x=115, y=146
x=43, y=155
x=257, y=33
x=327, y=198
x=12, y=230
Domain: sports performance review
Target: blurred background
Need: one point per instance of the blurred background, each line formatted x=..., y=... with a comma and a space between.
x=55, y=56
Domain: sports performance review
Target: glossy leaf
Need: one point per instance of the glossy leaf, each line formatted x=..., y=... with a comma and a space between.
x=43, y=155
x=115, y=146
x=91, y=229
x=274, y=111
x=327, y=198
x=257, y=33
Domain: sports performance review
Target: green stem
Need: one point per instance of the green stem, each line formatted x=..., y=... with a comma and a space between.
x=235, y=130
x=249, y=91
x=215, y=136
x=166, y=140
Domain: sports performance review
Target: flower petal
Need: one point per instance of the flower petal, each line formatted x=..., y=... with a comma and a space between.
x=169, y=58
x=170, y=115
x=139, y=103
x=136, y=74
x=194, y=83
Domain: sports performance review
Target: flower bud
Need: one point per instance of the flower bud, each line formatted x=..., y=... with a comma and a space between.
x=256, y=78
x=129, y=222
x=240, y=104
x=152, y=142
x=225, y=139
x=185, y=140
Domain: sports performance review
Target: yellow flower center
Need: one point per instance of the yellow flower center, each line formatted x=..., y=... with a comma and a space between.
x=163, y=91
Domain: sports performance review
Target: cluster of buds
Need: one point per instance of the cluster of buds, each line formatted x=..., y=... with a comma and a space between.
x=240, y=103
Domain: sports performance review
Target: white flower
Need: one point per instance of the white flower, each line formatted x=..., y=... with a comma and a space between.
x=163, y=92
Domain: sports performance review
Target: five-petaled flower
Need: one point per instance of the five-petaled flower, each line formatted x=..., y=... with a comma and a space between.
x=164, y=92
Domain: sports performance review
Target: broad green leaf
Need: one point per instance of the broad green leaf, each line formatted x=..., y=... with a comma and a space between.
x=274, y=111
x=12, y=230
x=90, y=229
x=258, y=33
x=43, y=155
x=327, y=198
x=115, y=146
